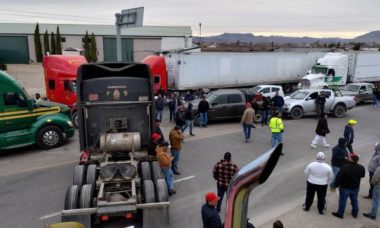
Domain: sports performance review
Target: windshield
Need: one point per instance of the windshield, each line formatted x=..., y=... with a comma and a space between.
x=318, y=70
x=254, y=89
x=74, y=86
x=211, y=97
x=352, y=88
x=299, y=95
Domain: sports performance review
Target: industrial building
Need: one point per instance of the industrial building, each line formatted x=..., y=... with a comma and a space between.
x=17, y=40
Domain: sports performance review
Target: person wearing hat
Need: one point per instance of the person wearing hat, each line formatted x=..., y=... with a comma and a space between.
x=322, y=130
x=277, y=128
x=348, y=181
x=210, y=216
x=165, y=161
x=318, y=175
x=156, y=138
x=223, y=172
x=176, y=137
x=157, y=129
x=349, y=134
x=375, y=181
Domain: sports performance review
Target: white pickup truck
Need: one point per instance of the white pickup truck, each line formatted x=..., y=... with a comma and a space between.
x=302, y=103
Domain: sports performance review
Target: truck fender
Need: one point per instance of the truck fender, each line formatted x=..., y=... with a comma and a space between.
x=59, y=120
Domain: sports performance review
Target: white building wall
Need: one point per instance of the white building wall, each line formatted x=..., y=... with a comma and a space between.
x=145, y=47
x=32, y=50
x=170, y=43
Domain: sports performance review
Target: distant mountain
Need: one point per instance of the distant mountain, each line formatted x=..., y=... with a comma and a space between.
x=249, y=37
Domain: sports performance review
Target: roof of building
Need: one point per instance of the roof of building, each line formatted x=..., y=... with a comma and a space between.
x=102, y=30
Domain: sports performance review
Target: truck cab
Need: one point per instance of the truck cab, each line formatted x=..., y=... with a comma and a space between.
x=24, y=122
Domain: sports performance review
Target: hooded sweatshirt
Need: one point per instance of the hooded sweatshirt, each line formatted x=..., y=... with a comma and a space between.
x=339, y=154
x=375, y=160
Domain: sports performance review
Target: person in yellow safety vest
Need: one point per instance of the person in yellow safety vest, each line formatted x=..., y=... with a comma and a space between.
x=277, y=128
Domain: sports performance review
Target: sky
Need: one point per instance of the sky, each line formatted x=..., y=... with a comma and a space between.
x=323, y=18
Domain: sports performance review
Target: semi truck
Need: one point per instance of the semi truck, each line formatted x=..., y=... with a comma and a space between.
x=116, y=176
x=200, y=72
x=338, y=69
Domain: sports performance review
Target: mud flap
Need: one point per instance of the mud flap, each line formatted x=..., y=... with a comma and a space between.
x=82, y=216
x=156, y=215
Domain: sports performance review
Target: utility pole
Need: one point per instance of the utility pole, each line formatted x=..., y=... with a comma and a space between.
x=200, y=34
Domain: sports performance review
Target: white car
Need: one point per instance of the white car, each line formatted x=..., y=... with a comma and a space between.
x=266, y=90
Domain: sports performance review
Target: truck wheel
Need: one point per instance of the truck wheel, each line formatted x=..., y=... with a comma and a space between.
x=156, y=171
x=72, y=197
x=339, y=111
x=197, y=121
x=198, y=94
x=79, y=175
x=149, y=191
x=91, y=175
x=86, y=196
x=145, y=171
x=74, y=119
x=49, y=137
x=162, y=194
x=296, y=113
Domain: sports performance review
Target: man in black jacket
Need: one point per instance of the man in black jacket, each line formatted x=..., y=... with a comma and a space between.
x=321, y=131
x=349, y=134
x=189, y=117
x=338, y=159
x=320, y=103
x=203, y=108
x=348, y=181
x=210, y=216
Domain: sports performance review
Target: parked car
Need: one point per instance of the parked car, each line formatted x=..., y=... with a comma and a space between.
x=302, y=103
x=361, y=91
x=266, y=90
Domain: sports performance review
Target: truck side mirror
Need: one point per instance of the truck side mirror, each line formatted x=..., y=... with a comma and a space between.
x=308, y=98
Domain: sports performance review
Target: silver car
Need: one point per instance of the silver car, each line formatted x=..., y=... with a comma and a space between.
x=361, y=91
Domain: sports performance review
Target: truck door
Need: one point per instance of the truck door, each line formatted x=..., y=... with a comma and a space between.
x=218, y=107
x=310, y=106
x=235, y=105
x=69, y=90
x=329, y=100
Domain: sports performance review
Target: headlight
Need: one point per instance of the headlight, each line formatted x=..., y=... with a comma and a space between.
x=70, y=123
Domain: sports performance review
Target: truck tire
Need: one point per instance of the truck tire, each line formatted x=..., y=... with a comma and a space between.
x=339, y=110
x=145, y=171
x=149, y=195
x=91, y=175
x=162, y=194
x=72, y=197
x=296, y=113
x=49, y=137
x=197, y=121
x=74, y=119
x=86, y=196
x=156, y=171
x=79, y=177
x=198, y=94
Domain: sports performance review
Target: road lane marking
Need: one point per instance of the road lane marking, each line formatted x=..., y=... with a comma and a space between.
x=37, y=168
x=185, y=178
x=50, y=215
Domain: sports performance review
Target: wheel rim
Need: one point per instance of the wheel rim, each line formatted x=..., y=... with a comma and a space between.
x=50, y=138
x=296, y=113
x=339, y=111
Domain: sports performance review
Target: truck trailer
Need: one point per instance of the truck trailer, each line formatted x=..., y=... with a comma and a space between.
x=339, y=68
x=197, y=72
x=116, y=176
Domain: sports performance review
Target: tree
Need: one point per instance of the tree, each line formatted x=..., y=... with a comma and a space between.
x=37, y=43
x=86, y=47
x=93, y=50
x=52, y=43
x=46, y=42
x=58, y=46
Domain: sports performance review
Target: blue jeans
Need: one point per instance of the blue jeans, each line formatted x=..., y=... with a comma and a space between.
x=266, y=114
x=159, y=115
x=168, y=172
x=222, y=189
x=344, y=193
x=175, y=154
x=247, y=131
x=276, y=139
x=203, y=119
x=172, y=115
x=375, y=201
x=189, y=124
x=335, y=170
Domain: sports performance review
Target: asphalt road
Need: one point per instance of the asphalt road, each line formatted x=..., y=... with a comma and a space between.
x=33, y=182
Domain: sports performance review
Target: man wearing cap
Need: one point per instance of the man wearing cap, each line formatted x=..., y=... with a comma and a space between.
x=348, y=181
x=165, y=161
x=223, y=172
x=156, y=138
x=176, y=137
x=318, y=175
x=210, y=216
x=277, y=128
x=349, y=134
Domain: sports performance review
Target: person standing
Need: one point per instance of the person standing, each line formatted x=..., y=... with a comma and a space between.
x=338, y=159
x=247, y=121
x=378, y=97
x=320, y=104
x=223, y=172
x=172, y=107
x=267, y=107
x=321, y=131
x=38, y=98
x=375, y=91
x=203, y=108
x=318, y=175
x=157, y=129
x=376, y=195
x=349, y=134
x=159, y=107
x=277, y=128
x=176, y=137
x=373, y=164
x=165, y=161
x=278, y=102
x=210, y=216
x=189, y=117
x=180, y=117
x=348, y=181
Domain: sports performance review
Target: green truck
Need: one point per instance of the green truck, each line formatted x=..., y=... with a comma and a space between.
x=25, y=122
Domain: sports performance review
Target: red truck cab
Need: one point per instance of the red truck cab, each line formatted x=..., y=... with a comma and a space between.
x=60, y=77
x=157, y=66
